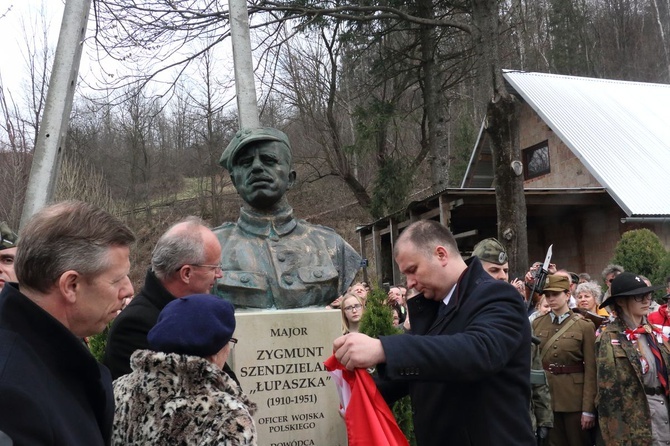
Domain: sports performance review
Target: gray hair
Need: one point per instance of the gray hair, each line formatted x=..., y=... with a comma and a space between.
x=592, y=288
x=609, y=269
x=71, y=235
x=176, y=248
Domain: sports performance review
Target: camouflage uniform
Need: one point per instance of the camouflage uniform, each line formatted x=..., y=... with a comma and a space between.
x=623, y=409
x=282, y=262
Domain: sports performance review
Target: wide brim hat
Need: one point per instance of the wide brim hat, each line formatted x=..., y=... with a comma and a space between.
x=628, y=284
x=245, y=137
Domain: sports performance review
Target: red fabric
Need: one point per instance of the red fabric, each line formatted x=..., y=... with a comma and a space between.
x=369, y=420
x=660, y=317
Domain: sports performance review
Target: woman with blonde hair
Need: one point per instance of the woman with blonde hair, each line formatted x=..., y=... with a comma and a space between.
x=352, y=309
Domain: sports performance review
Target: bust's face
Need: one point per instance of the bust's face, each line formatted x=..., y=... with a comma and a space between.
x=261, y=173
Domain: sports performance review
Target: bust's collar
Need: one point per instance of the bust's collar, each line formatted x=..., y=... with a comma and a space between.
x=279, y=223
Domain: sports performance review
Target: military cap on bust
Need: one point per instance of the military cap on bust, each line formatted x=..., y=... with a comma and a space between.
x=490, y=250
x=246, y=136
x=8, y=238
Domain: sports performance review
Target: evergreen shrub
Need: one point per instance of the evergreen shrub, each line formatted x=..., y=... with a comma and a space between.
x=640, y=251
x=378, y=321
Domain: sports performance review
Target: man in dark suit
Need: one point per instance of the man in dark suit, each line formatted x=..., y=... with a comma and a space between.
x=466, y=362
x=72, y=265
x=185, y=261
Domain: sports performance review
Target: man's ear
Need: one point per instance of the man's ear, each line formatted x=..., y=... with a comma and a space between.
x=442, y=255
x=185, y=273
x=291, y=179
x=69, y=284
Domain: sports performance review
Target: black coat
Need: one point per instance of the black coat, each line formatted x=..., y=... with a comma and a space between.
x=129, y=330
x=52, y=390
x=467, y=371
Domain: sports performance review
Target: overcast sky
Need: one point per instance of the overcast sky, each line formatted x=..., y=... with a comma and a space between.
x=12, y=63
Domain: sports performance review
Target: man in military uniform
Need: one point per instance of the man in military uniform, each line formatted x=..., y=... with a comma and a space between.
x=271, y=259
x=7, y=253
x=493, y=256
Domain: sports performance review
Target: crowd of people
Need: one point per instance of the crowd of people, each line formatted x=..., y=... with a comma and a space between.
x=589, y=367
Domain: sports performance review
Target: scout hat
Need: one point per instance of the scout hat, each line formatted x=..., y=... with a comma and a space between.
x=628, y=284
x=556, y=282
x=197, y=325
x=490, y=250
x=8, y=238
x=245, y=136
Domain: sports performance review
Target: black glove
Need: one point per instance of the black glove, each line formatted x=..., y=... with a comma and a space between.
x=543, y=432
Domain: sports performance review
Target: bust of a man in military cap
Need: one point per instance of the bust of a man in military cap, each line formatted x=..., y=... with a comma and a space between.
x=493, y=256
x=8, y=241
x=270, y=258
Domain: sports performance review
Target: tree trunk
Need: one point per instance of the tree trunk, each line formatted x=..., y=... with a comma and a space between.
x=502, y=128
x=433, y=102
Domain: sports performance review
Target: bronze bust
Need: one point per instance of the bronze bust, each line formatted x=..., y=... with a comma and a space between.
x=269, y=258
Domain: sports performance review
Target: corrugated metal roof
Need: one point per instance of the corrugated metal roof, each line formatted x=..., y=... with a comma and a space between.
x=619, y=130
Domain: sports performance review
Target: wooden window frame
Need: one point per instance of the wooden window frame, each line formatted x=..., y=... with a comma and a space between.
x=527, y=155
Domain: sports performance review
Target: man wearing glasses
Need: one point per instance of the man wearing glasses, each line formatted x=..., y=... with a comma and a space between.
x=185, y=261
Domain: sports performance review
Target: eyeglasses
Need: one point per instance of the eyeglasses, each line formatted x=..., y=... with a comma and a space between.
x=218, y=267
x=351, y=308
x=642, y=297
x=232, y=343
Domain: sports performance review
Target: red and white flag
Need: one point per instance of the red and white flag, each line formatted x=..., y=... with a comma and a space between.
x=369, y=420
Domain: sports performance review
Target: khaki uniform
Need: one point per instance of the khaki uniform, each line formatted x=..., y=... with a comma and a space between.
x=623, y=407
x=278, y=261
x=571, y=372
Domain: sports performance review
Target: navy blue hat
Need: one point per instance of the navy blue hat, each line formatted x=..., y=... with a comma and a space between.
x=197, y=325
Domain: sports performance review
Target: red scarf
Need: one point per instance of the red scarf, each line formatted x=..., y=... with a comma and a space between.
x=654, y=337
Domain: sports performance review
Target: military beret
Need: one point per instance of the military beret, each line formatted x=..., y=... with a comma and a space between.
x=490, y=250
x=196, y=325
x=246, y=136
x=8, y=238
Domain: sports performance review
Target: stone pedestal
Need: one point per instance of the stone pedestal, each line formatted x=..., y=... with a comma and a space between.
x=279, y=362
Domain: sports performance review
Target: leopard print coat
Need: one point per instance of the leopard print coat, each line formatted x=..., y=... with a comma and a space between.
x=180, y=400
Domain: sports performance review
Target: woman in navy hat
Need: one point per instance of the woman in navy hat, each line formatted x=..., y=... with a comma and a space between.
x=177, y=392
x=632, y=358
